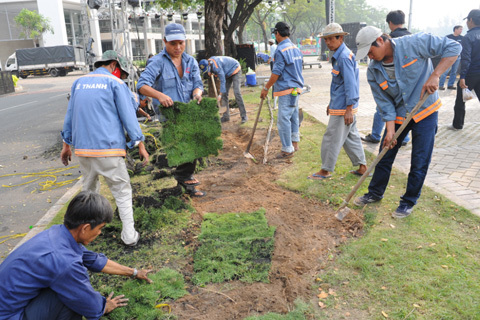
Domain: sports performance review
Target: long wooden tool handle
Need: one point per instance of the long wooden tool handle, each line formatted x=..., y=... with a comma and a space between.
x=254, y=127
x=214, y=86
x=386, y=148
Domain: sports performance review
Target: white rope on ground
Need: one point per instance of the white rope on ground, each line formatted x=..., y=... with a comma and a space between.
x=265, y=148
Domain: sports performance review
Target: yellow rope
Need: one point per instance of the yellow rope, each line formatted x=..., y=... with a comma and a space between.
x=13, y=236
x=51, y=175
x=161, y=305
x=154, y=139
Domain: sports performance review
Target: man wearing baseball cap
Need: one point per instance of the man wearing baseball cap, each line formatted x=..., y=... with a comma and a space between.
x=228, y=70
x=344, y=94
x=173, y=75
x=287, y=80
x=98, y=113
x=469, y=68
x=399, y=75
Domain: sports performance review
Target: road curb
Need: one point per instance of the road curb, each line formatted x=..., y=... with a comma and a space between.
x=51, y=213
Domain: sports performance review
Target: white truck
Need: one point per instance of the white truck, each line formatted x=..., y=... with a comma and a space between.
x=56, y=61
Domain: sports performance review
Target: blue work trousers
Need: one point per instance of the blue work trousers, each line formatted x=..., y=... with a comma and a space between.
x=287, y=121
x=453, y=75
x=423, y=139
x=47, y=306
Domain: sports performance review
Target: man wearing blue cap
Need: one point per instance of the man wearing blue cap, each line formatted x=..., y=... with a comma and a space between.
x=229, y=72
x=173, y=75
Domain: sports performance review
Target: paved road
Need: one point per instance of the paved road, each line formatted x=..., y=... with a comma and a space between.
x=30, y=125
x=455, y=168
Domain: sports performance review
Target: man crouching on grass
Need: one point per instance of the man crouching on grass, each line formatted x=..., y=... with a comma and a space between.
x=46, y=278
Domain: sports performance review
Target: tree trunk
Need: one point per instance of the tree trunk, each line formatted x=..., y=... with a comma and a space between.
x=264, y=33
x=240, y=34
x=214, y=10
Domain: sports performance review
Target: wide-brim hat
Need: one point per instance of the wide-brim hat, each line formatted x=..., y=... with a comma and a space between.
x=365, y=37
x=333, y=29
x=112, y=55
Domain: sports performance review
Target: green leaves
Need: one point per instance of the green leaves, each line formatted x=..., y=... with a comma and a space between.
x=191, y=132
x=32, y=24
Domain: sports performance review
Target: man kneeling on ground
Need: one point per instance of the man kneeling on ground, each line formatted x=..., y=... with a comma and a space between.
x=46, y=277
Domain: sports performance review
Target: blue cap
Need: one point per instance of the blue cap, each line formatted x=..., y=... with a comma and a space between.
x=203, y=64
x=174, y=31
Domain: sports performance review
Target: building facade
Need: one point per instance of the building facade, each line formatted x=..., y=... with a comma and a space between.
x=74, y=23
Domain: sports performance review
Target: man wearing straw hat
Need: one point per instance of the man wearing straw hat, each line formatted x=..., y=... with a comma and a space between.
x=344, y=95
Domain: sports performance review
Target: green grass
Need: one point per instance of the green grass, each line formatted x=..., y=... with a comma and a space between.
x=423, y=267
x=234, y=246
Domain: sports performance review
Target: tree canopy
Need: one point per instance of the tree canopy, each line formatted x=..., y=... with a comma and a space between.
x=32, y=24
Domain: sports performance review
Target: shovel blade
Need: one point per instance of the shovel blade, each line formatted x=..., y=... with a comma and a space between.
x=342, y=213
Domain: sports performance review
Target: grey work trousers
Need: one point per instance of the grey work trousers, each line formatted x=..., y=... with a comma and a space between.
x=236, y=80
x=339, y=135
x=114, y=170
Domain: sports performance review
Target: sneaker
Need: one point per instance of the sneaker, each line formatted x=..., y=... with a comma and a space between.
x=225, y=119
x=370, y=138
x=441, y=88
x=244, y=120
x=452, y=87
x=403, y=211
x=364, y=200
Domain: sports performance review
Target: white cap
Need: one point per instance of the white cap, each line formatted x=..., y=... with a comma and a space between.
x=333, y=29
x=365, y=37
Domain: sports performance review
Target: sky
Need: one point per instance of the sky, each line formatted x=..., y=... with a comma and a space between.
x=430, y=15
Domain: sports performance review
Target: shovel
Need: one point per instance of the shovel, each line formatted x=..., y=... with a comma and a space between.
x=215, y=90
x=247, y=154
x=343, y=211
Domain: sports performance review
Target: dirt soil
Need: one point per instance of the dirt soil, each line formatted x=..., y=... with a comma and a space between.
x=306, y=231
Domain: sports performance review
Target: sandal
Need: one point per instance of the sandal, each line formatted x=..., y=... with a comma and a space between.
x=185, y=183
x=196, y=193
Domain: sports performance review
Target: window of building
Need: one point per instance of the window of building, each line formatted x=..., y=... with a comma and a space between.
x=73, y=26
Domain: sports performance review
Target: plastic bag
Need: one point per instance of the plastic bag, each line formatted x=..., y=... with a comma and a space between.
x=468, y=95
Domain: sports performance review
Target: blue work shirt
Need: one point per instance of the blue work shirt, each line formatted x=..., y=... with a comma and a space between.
x=396, y=97
x=52, y=259
x=288, y=66
x=223, y=67
x=344, y=90
x=98, y=114
x=162, y=75
x=471, y=53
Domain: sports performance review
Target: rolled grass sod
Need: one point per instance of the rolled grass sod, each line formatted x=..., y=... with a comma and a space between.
x=192, y=131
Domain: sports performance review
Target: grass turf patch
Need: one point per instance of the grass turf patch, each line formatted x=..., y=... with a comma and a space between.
x=192, y=131
x=234, y=246
x=167, y=284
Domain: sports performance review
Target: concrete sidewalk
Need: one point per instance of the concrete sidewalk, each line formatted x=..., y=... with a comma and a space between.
x=455, y=167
